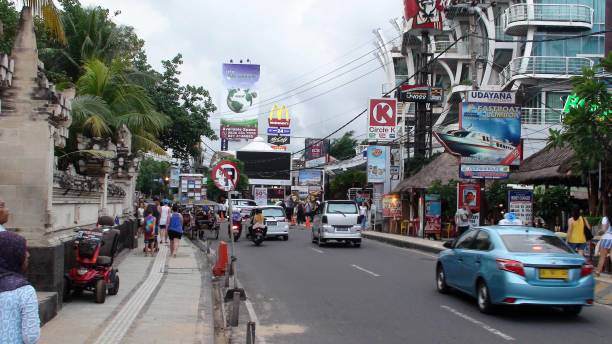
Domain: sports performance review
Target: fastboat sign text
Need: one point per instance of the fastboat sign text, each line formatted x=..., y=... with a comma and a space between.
x=491, y=97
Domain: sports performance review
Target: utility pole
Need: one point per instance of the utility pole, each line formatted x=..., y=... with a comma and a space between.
x=472, y=47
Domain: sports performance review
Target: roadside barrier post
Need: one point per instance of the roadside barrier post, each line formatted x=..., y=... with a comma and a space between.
x=235, y=309
x=250, y=339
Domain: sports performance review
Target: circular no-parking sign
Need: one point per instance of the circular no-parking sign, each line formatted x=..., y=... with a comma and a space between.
x=225, y=175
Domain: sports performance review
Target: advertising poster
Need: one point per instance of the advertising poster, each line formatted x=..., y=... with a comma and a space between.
x=310, y=177
x=433, y=214
x=382, y=120
x=392, y=206
x=377, y=164
x=424, y=15
x=469, y=193
x=240, y=82
x=174, y=177
x=489, y=134
x=238, y=129
x=315, y=148
x=261, y=196
x=300, y=191
x=520, y=202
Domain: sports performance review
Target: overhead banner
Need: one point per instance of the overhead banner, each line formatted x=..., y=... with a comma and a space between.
x=377, y=164
x=279, y=117
x=433, y=214
x=240, y=82
x=469, y=194
x=520, y=202
x=279, y=140
x=382, y=120
x=310, y=177
x=392, y=206
x=489, y=134
x=238, y=129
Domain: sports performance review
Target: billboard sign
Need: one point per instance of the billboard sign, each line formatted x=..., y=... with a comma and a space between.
x=240, y=82
x=484, y=171
x=279, y=131
x=520, y=202
x=310, y=177
x=492, y=97
x=175, y=173
x=469, y=194
x=377, y=164
x=392, y=206
x=238, y=129
x=489, y=134
x=421, y=94
x=424, y=15
x=382, y=120
x=279, y=117
x=261, y=196
x=279, y=140
x=315, y=149
x=433, y=214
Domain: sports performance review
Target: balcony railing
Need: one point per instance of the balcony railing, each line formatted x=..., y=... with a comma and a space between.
x=517, y=17
x=541, y=116
x=544, y=66
x=438, y=47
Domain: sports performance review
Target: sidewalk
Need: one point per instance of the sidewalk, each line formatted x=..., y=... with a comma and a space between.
x=603, y=289
x=161, y=300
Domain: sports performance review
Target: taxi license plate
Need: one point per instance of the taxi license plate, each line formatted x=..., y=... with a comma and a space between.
x=554, y=274
x=271, y=223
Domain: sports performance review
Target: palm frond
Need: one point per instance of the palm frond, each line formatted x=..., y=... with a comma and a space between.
x=51, y=17
x=93, y=152
x=97, y=126
x=85, y=106
x=152, y=122
x=145, y=144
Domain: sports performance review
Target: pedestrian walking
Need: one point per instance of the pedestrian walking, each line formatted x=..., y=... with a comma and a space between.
x=308, y=210
x=163, y=223
x=156, y=211
x=4, y=215
x=363, y=212
x=576, y=237
x=175, y=230
x=19, y=319
x=300, y=213
x=289, y=208
x=462, y=219
x=140, y=216
x=605, y=243
x=149, y=231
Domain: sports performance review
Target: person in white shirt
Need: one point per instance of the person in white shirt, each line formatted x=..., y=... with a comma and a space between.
x=4, y=215
x=164, y=220
x=605, y=243
x=510, y=219
x=462, y=219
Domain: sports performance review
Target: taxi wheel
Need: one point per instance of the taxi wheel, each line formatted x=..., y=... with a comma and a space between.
x=441, y=285
x=484, y=298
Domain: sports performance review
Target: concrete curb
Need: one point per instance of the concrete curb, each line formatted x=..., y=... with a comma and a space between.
x=402, y=243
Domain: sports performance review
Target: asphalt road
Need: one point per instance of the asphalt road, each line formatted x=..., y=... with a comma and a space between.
x=378, y=293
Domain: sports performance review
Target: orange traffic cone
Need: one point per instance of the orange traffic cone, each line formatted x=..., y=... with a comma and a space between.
x=222, y=259
x=308, y=226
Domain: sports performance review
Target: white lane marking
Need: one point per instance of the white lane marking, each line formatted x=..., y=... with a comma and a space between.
x=412, y=250
x=316, y=250
x=365, y=270
x=478, y=323
x=603, y=305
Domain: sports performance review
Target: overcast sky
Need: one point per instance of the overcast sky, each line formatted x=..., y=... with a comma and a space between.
x=287, y=38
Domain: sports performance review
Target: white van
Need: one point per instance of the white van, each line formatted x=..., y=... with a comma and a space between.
x=337, y=221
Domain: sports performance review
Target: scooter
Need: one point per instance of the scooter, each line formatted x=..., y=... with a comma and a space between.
x=236, y=226
x=258, y=235
x=95, y=250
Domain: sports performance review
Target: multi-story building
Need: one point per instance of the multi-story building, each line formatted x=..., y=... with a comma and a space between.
x=519, y=45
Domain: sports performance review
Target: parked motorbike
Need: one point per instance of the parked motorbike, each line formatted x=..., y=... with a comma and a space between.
x=95, y=250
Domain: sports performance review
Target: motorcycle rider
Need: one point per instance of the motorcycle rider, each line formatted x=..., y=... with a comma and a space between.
x=258, y=222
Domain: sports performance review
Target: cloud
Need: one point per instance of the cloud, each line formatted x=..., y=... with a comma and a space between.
x=288, y=39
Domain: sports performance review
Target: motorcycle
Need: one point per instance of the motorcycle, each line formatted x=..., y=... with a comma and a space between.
x=258, y=234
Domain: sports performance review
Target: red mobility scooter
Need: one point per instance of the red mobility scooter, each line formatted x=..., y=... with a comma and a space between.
x=95, y=250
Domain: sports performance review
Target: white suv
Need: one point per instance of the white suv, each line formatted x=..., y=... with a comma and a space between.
x=337, y=221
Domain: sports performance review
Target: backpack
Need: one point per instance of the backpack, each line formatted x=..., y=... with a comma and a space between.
x=149, y=226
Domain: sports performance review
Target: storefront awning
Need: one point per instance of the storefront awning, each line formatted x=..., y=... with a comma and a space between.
x=444, y=168
x=547, y=166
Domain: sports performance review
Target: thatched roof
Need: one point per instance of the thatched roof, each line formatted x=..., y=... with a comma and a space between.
x=444, y=168
x=549, y=165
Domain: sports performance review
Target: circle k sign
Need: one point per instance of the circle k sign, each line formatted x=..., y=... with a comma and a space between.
x=225, y=175
x=382, y=120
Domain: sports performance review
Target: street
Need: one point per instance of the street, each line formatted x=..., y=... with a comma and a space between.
x=302, y=293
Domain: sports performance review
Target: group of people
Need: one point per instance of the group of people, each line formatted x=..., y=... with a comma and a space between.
x=160, y=224
x=301, y=209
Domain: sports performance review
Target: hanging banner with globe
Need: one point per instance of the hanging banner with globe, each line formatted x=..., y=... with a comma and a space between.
x=238, y=129
x=240, y=81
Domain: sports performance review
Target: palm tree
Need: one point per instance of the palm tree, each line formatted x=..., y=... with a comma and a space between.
x=50, y=15
x=108, y=97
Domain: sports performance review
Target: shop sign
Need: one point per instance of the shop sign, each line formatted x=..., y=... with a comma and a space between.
x=279, y=117
x=279, y=131
x=491, y=97
x=520, y=202
x=279, y=140
x=382, y=120
x=377, y=164
x=261, y=196
x=232, y=129
x=392, y=206
x=421, y=94
x=484, y=171
x=469, y=194
x=279, y=148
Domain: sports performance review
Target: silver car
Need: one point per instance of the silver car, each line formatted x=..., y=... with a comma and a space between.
x=337, y=221
x=276, y=221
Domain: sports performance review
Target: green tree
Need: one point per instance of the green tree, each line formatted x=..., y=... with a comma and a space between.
x=213, y=193
x=189, y=107
x=496, y=196
x=107, y=98
x=587, y=129
x=344, y=147
x=448, y=197
x=550, y=202
x=46, y=11
x=340, y=184
x=151, y=175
